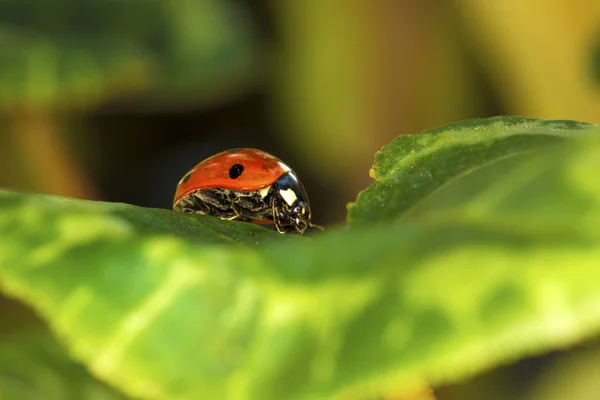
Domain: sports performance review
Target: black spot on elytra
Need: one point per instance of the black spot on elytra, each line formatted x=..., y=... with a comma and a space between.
x=236, y=170
x=186, y=177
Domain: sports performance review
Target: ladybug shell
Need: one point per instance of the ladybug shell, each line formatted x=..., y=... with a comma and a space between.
x=260, y=170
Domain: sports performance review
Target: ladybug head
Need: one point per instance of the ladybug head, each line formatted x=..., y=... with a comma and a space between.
x=291, y=204
x=300, y=215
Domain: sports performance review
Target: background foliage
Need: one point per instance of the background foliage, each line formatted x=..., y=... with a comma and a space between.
x=115, y=101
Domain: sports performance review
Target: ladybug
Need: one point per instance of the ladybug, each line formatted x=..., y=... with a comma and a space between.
x=246, y=185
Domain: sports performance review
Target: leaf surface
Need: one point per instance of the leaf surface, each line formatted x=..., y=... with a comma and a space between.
x=414, y=166
x=498, y=263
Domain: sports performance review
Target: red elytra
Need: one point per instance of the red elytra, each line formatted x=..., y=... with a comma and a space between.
x=260, y=169
x=246, y=185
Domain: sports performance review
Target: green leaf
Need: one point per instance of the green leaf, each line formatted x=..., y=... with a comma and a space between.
x=33, y=366
x=414, y=166
x=123, y=220
x=78, y=52
x=497, y=264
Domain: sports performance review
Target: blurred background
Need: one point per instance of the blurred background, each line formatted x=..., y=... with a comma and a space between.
x=115, y=100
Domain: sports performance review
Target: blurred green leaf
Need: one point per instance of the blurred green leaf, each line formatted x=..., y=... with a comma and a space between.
x=77, y=52
x=414, y=166
x=498, y=264
x=33, y=367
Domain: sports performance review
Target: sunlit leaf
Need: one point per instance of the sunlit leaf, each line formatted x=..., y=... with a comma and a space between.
x=413, y=166
x=496, y=265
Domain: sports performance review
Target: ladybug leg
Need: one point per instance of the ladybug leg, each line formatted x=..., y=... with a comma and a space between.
x=276, y=218
x=316, y=226
x=236, y=210
x=238, y=213
x=193, y=203
x=201, y=205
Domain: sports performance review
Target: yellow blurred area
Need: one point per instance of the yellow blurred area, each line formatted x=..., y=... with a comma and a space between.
x=538, y=54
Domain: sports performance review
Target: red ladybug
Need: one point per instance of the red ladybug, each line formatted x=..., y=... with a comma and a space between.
x=246, y=185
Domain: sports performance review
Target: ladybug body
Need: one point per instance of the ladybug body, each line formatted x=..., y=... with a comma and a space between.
x=246, y=185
